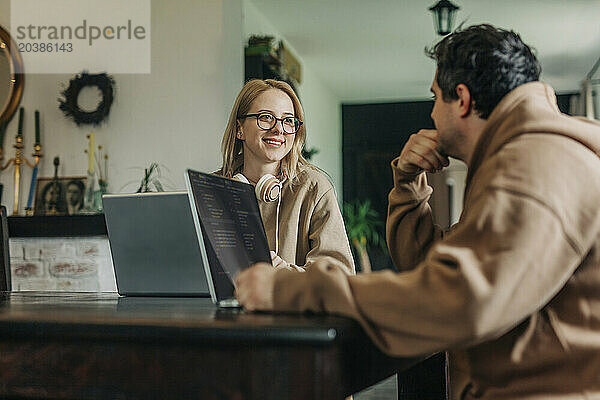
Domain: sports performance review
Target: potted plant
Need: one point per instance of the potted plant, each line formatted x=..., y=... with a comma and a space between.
x=151, y=180
x=362, y=223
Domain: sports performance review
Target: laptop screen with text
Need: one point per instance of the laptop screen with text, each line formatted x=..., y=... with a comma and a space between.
x=229, y=224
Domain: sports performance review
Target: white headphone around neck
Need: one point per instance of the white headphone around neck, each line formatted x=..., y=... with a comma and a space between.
x=268, y=187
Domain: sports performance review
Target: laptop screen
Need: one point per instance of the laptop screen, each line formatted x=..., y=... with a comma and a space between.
x=154, y=245
x=231, y=228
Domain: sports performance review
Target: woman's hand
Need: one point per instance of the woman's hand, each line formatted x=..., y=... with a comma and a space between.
x=279, y=262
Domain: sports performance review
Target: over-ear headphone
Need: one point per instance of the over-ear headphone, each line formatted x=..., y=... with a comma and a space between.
x=268, y=187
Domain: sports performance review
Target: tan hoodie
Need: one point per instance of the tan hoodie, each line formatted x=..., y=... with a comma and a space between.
x=516, y=282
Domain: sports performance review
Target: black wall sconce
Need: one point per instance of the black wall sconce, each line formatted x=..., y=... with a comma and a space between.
x=443, y=16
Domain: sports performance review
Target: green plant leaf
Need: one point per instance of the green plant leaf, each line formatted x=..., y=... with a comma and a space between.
x=151, y=178
x=362, y=223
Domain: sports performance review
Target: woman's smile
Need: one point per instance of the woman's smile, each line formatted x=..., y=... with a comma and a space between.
x=274, y=142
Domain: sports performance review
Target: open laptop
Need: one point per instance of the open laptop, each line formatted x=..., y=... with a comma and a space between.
x=155, y=250
x=228, y=224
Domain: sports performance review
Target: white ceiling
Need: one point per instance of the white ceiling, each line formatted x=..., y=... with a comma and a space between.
x=373, y=50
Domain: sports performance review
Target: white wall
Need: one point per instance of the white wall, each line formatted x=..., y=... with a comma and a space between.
x=322, y=108
x=174, y=116
x=324, y=127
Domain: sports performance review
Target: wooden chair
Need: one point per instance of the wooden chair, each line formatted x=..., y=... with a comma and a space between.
x=5, y=281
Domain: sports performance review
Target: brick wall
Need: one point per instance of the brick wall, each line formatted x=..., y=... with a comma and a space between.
x=65, y=264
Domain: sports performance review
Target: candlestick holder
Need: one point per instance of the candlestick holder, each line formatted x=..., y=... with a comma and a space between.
x=18, y=160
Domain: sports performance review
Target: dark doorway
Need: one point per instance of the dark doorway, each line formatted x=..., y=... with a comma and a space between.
x=373, y=135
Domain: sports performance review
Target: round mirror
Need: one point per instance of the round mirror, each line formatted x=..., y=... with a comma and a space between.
x=11, y=77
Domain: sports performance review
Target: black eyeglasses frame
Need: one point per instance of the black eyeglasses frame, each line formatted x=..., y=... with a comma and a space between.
x=298, y=123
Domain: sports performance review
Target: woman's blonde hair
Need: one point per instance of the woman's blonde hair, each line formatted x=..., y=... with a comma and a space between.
x=232, y=147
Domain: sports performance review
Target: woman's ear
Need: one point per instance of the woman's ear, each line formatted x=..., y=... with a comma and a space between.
x=239, y=133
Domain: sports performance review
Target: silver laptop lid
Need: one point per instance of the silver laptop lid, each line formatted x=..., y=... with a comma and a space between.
x=229, y=225
x=154, y=247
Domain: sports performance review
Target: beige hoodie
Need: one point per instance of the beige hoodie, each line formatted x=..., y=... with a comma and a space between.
x=516, y=283
x=309, y=224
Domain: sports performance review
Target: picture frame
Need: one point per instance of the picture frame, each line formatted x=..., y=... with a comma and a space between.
x=61, y=196
x=291, y=65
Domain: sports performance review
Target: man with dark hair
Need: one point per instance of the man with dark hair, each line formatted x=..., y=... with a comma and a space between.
x=74, y=196
x=516, y=282
x=489, y=61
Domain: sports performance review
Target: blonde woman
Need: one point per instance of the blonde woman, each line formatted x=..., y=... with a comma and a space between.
x=262, y=146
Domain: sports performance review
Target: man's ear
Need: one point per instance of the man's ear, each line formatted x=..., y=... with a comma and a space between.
x=465, y=104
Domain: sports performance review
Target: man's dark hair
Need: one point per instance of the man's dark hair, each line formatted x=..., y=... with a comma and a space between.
x=490, y=61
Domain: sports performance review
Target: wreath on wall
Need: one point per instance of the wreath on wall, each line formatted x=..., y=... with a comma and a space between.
x=70, y=106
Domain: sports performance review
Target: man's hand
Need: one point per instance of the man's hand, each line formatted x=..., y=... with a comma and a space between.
x=420, y=153
x=254, y=287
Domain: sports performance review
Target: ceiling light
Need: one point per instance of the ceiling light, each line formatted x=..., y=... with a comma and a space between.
x=443, y=16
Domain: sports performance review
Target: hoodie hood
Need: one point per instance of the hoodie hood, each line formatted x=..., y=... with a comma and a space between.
x=528, y=109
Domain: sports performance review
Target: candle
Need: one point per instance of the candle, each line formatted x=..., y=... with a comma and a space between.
x=20, y=131
x=37, y=127
x=32, y=187
x=91, y=153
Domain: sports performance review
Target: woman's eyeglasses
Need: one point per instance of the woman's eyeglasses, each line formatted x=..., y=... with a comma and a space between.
x=266, y=121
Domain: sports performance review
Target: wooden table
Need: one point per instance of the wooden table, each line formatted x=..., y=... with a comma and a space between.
x=102, y=346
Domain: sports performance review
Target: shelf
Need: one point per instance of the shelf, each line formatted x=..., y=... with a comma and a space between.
x=57, y=226
x=256, y=66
